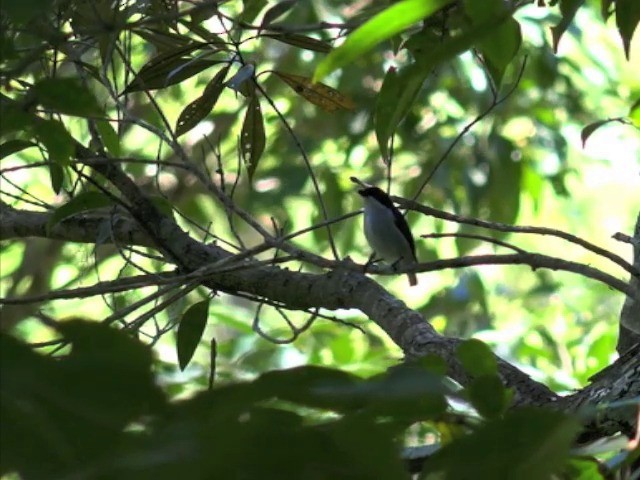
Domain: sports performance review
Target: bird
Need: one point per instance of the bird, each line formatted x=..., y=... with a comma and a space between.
x=387, y=231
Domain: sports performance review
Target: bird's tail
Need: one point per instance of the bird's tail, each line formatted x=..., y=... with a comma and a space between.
x=413, y=279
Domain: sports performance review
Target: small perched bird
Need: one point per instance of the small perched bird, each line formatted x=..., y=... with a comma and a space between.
x=387, y=231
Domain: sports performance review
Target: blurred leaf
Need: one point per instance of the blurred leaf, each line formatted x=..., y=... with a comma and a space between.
x=197, y=110
x=25, y=10
x=163, y=40
x=589, y=129
x=583, y=469
x=64, y=415
x=67, y=96
x=169, y=68
x=500, y=47
x=396, y=97
x=14, y=117
x=109, y=137
x=55, y=138
x=327, y=98
x=302, y=41
x=634, y=113
x=383, y=26
x=56, y=175
x=592, y=127
x=369, y=447
x=627, y=19
x=251, y=9
x=489, y=396
x=82, y=202
x=163, y=204
x=14, y=146
x=568, y=9
x=430, y=55
x=275, y=12
x=497, y=450
x=190, y=331
x=502, y=192
x=252, y=137
x=477, y=358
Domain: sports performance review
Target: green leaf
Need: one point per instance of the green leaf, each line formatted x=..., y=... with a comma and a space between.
x=500, y=46
x=398, y=91
x=477, y=358
x=277, y=11
x=14, y=118
x=252, y=137
x=627, y=19
x=430, y=55
x=57, y=177
x=67, y=96
x=592, y=127
x=251, y=9
x=82, y=202
x=302, y=41
x=21, y=12
x=197, y=110
x=109, y=137
x=589, y=129
x=634, y=113
x=169, y=68
x=14, y=146
x=384, y=25
x=489, y=396
x=190, y=331
x=55, y=138
x=527, y=444
x=568, y=9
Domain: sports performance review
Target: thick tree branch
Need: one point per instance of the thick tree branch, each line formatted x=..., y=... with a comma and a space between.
x=340, y=288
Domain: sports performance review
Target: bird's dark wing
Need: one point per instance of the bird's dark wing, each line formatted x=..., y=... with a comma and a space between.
x=402, y=224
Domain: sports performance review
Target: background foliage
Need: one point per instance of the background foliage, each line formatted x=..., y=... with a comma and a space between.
x=550, y=138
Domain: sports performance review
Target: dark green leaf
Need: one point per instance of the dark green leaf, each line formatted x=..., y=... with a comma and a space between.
x=21, y=12
x=252, y=137
x=82, y=202
x=302, y=41
x=398, y=91
x=57, y=177
x=477, y=358
x=64, y=415
x=109, y=137
x=67, y=96
x=383, y=26
x=277, y=11
x=627, y=19
x=589, y=129
x=568, y=9
x=527, y=444
x=430, y=55
x=190, y=331
x=162, y=40
x=55, y=138
x=251, y=9
x=500, y=46
x=200, y=107
x=169, y=68
x=634, y=113
x=13, y=146
x=489, y=396
x=14, y=118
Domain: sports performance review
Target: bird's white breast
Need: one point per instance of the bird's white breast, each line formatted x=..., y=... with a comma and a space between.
x=382, y=234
